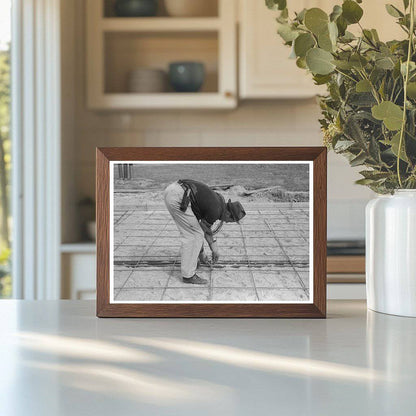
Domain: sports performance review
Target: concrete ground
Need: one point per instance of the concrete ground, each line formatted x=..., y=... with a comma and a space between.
x=265, y=258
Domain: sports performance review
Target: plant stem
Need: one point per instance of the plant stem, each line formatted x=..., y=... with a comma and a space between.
x=369, y=41
x=397, y=95
x=346, y=75
x=405, y=81
x=392, y=90
x=373, y=90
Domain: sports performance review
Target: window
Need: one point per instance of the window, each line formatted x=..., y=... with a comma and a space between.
x=5, y=144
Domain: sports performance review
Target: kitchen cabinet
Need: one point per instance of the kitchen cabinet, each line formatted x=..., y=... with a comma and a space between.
x=78, y=263
x=118, y=45
x=265, y=70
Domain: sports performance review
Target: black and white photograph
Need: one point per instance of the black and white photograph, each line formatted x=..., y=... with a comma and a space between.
x=210, y=232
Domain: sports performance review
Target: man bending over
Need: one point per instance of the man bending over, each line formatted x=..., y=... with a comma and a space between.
x=195, y=207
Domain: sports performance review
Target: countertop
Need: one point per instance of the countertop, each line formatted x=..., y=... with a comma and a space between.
x=57, y=358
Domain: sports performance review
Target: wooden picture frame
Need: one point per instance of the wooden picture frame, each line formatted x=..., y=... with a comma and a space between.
x=316, y=308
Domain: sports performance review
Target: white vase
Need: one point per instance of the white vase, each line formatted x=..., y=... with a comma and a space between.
x=391, y=253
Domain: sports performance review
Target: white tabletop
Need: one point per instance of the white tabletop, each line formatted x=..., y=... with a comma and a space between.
x=58, y=359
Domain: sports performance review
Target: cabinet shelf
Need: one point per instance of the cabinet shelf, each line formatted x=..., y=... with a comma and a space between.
x=198, y=100
x=159, y=24
x=80, y=247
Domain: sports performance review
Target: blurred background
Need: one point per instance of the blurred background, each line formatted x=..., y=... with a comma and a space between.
x=99, y=73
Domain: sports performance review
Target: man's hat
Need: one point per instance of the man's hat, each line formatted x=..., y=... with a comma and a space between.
x=236, y=210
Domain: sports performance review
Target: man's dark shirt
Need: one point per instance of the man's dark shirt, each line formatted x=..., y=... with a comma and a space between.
x=205, y=203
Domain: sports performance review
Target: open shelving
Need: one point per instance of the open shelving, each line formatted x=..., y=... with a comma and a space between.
x=118, y=45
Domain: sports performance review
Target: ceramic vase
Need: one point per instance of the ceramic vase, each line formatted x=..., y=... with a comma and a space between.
x=391, y=253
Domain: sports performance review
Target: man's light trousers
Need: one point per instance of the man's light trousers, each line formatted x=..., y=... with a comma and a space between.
x=192, y=236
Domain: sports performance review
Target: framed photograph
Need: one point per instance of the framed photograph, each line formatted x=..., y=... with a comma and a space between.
x=211, y=232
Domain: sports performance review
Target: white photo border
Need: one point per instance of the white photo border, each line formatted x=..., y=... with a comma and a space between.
x=194, y=162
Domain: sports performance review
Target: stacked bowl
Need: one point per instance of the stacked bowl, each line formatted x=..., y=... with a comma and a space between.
x=147, y=80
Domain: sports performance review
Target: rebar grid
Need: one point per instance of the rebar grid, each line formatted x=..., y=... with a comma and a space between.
x=265, y=258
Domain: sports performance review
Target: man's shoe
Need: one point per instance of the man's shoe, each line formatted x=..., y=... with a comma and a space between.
x=195, y=280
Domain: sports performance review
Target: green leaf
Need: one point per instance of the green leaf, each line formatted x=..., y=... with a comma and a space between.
x=375, y=35
x=377, y=75
x=364, y=181
x=411, y=120
x=347, y=37
x=334, y=91
x=351, y=11
x=358, y=61
x=286, y=32
x=391, y=114
x=301, y=63
x=396, y=71
x=301, y=15
x=319, y=61
x=385, y=63
x=276, y=4
x=316, y=20
x=327, y=40
x=411, y=90
x=325, y=43
x=283, y=17
x=393, y=11
x=374, y=175
x=341, y=64
x=353, y=130
x=406, y=4
x=382, y=88
x=374, y=150
x=336, y=12
x=363, y=86
x=412, y=67
x=368, y=36
x=394, y=145
x=333, y=32
x=321, y=79
x=358, y=160
x=342, y=25
x=303, y=43
x=343, y=145
x=361, y=99
x=405, y=21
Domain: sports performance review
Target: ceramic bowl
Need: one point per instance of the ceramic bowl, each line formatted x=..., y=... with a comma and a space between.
x=191, y=8
x=186, y=76
x=135, y=8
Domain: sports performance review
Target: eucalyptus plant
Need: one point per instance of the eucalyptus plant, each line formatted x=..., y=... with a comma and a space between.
x=369, y=112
